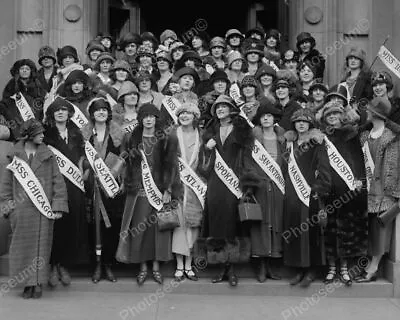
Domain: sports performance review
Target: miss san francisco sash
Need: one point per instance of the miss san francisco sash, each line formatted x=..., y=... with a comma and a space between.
x=171, y=104
x=369, y=164
x=68, y=169
x=154, y=195
x=299, y=183
x=23, y=106
x=227, y=176
x=268, y=165
x=30, y=183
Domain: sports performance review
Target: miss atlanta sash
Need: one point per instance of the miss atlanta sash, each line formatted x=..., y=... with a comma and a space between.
x=227, y=176
x=171, y=104
x=369, y=164
x=154, y=195
x=300, y=184
x=23, y=106
x=106, y=179
x=339, y=164
x=68, y=169
x=268, y=165
x=31, y=185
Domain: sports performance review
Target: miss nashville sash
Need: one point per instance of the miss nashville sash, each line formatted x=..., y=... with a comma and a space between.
x=31, y=185
x=299, y=183
x=68, y=169
x=23, y=106
x=171, y=104
x=268, y=165
x=227, y=176
x=340, y=165
x=154, y=195
x=369, y=164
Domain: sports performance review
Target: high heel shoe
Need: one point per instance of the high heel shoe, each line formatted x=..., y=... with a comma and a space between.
x=232, y=277
x=179, y=275
x=109, y=274
x=223, y=275
x=345, y=277
x=367, y=277
x=297, y=278
x=65, y=277
x=307, y=279
x=331, y=275
x=262, y=272
x=37, y=291
x=97, y=273
x=27, y=294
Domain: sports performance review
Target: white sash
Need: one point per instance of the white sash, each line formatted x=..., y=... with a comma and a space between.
x=268, y=165
x=339, y=164
x=106, y=179
x=171, y=104
x=31, y=185
x=369, y=164
x=154, y=195
x=234, y=92
x=227, y=176
x=129, y=128
x=51, y=96
x=78, y=118
x=110, y=100
x=23, y=107
x=299, y=183
x=68, y=169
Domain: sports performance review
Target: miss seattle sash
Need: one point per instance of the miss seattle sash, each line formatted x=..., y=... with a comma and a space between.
x=154, y=195
x=23, y=106
x=300, y=184
x=68, y=169
x=227, y=176
x=31, y=185
x=369, y=164
x=171, y=104
x=106, y=179
x=340, y=165
x=268, y=165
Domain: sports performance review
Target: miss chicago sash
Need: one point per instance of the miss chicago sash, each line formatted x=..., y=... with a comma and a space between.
x=369, y=164
x=154, y=195
x=31, y=185
x=299, y=183
x=268, y=165
x=23, y=106
x=106, y=179
x=68, y=169
x=340, y=165
x=171, y=104
x=227, y=176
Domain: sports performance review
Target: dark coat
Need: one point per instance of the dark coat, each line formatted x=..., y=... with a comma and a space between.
x=318, y=61
x=287, y=112
x=363, y=88
x=46, y=84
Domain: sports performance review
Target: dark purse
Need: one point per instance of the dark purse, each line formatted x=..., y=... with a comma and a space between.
x=167, y=217
x=249, y=210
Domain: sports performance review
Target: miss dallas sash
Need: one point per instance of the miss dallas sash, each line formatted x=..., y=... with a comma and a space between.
x=300, y=184
x=23, y=106
x=340, y=165
x=68, y=169
x=187, y=174
x=31, y=185
x=154, y=195
x=227, y=176
x=369, y=164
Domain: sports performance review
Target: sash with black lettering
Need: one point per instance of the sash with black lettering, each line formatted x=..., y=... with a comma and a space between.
x=234, y=93
x=227, y=176
x=268, y=165
x=154, y=195
x=78, y=117
x=31, y=185
x=23, y=106
x=369, y=164
x=68, y=169
x=171, y=104
x=299, y=183
x=340, y=165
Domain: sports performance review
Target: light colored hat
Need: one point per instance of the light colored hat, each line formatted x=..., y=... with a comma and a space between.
x=188, y=107
x=233, y=56
x=126, y=88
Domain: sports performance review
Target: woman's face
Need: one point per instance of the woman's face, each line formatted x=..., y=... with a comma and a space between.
x=130, y=49
x=354, y=63
x=220, y=86
x=301, y=126
x=380, y=90
x=222, y=111
x=47, y=62
x=38, y=139
x=68, y=60
x=237, y=65
x=267, y=120
x=333, y=119
x=282, y=92
x=318, y=95
x=106, y=42
x=168, y=41
x=121, y=75
x=197, y=42
x=234, y=41
x=186, y=118
x=190, y=63
x=105, y=66
x=148, y=44
x=162, y=64
x=24, y=72
x=186, y=82
x=249, y=91
x=306, y=75
x=271, y=42
x=305, y=47
x=337, y=100
x=61, y=115
x=177, y=54
x=131, y=99
x=253, y=57
x=145, y=60
x=94, y=54
x=291, y=65
x=77, y=87
x=101, y=115
x=217, y=52
x=145, y=85
x=266, y=80
x=149, y=121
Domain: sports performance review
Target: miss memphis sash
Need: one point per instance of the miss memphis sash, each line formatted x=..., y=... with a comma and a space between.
x=31, y=185
x=227, y=176
x=23, y=106
x=340, y=165
x=106, y=179
x=171, y=104
x=369, y=164
x=299, y=183
x=68, y=169
x=268, y=165
x=154, y=195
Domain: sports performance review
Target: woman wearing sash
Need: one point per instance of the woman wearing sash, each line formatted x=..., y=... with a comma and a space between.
x=185, y=236
x=346, y=230
x=266, y=235
x=381, y=148
x=31, y=221
x=151, y=153
x=106, y=137
x=70, y=232
x=308, y=168
x=228, y=142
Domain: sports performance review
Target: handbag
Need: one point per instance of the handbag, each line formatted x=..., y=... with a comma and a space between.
x=249, y=210
x=167, y=217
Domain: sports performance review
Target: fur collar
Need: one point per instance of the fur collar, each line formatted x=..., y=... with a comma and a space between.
x=314, y=134
x=258, y=133
x=190, y=97
x=115, y=132
x=387, y=137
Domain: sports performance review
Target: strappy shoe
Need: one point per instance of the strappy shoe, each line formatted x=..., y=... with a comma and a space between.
x=158, y=277
x=331, y=275
x=345, y=276
x=141, y=277
x=367, y=277
x=179, y=275
x=189, y=273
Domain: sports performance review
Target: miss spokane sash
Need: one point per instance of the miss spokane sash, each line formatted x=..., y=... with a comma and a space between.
x=268, y=165
x=299, y=183
x=171, y=104
x=369, y=164
x=31, y=185
x=340, y=165
x=23, y=106
x=68, y=169
x=153, y=194
x=227, y=176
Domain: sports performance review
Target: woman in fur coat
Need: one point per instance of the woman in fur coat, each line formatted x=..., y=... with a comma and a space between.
x=308, y=167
